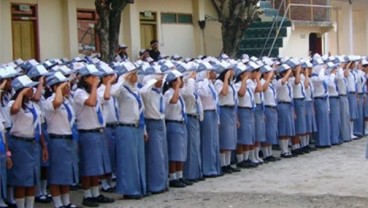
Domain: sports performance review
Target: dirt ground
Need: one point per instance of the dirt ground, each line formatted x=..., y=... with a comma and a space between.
x=328, y=178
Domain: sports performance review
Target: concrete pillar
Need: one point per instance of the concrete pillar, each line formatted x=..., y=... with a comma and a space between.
x=71, y=28
x=326, y=43
x=131, y=30
x=366, y=29
x=350, y=29
x=198, y=15
x=6, y=46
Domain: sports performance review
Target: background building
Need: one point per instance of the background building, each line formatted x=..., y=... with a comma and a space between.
x=44, y=29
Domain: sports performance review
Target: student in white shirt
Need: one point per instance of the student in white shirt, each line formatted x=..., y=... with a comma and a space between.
x=62, y=144
x=334, y=104
x=157, y=160
x=91, y=124
x=194, y=109
x=176, y=118
x=245, y=87
x=270, y=102
x=365, y=70
x=341, y=77
x=320, y=84
x=286, y=127
x=130, y=156
x=297, y=83
x=352, y=92
x=110, y=108
x=26, y=137
x=361, y=85
x=209, y=126
x=228, y=98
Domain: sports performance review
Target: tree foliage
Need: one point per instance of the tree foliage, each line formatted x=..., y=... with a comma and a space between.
x=108, y=26
x=235, y=16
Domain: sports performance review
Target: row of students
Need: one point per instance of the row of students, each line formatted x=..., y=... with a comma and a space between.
x=182, y=125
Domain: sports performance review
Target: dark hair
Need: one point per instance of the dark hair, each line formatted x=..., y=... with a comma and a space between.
x=153, y=41
x=167, y=86
x=82, y=84
x=222, y=75
x=25, y=99
x=238, y=79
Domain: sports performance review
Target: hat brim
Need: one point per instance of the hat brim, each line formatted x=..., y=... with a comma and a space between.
x=32, y=84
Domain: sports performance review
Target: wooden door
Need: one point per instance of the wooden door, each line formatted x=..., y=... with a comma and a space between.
x=148, y=33
x=24, y=39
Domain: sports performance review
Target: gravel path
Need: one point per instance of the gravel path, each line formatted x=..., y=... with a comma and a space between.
x=328, y=178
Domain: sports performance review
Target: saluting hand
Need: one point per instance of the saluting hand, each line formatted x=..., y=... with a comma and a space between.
x=3, y=83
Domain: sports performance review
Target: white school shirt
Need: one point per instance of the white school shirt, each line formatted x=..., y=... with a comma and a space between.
x=258, y=96
x=361, y=81
x=5, y=111
x=229, y=99
x=248, y=99
x=342, y=82
x=270, y=94
x=193, y=104
x=208, y=98
x=151, y=99
x=284, y=91
x=174, y=111
x=108, y=106
x=23, y=125
x=352, y=81
x=128, y=104
x=320, y=84
x=298, y=89
x=309, y=92
x=86, y=116
x=57, y=119
x=332, y=85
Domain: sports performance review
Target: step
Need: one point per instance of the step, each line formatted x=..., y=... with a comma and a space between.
x=264, y=34
x=265, y=4
x=268, y=24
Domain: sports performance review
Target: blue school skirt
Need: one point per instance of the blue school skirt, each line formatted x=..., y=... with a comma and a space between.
x=286, y=126
x=210, y=144
x=91, y=156
x=271, y=125
x=228, y=130
x=359, y=122
x=345, y=132
x=260, y=128
x=335, y=118
x=300, y=121
x=177, y=139
x=310, y=118
x=193, y=164
x=111, y=135
x=46, y=137
x=353, y=106
x=157, y=160
x=246, y=131
x=63, y=161
x=322, y=136
x=130, y=161
x=3, y=176
x=26, y=163
x=366, y=106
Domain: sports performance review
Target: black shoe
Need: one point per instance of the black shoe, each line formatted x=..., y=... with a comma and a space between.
x=71, y=206
x=305, y=150
x=250, y=164
x=242, y=164
x=186, y=182
x=134, y=197
x=297, y=152
x=210, y=176
x=323, y=147
x=234, y=169
x=202, y=179
x=176, y=184
x=10, y=205
x=90, y=202
x=260, y=154
x=286, y=155
x=103, y=199
x=193, y=180
x=158, y=192
x=43, y=199
x=270, y=159
x=226, y=170
x=109, y=190
x=311, y=148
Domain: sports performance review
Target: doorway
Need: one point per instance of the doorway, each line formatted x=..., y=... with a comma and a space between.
x=148, y=28
x=24, y=31
x=315, y=43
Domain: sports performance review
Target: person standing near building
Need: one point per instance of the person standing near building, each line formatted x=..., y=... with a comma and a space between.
x=352, y=93
x=154, y=53
x=334, y=104
x=361, y=83
x=122, y=54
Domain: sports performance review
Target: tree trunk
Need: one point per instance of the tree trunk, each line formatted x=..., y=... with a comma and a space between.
x=117, y=7
x=232, y=33
x=102, y=28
